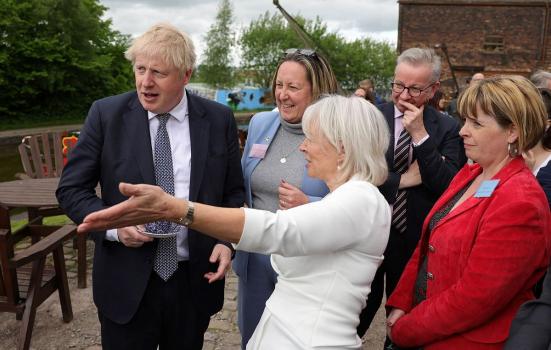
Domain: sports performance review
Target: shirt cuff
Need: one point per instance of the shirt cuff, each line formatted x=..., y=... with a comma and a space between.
x=112, y=235
x=417, y=144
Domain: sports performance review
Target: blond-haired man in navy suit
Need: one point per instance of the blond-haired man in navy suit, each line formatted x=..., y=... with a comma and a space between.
x=156, y=292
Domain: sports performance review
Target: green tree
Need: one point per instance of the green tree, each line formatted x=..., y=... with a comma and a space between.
x=266, y=38
x=216, y=69
x=263, y=43
x=57, y=56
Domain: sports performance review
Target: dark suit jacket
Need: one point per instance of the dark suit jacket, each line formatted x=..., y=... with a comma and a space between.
x=531, y=328
x=544, y=178
x=440, y=157
x=114, y=146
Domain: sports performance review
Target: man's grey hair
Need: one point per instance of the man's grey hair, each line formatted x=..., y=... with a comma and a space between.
x=421, y=56
x=540, y=78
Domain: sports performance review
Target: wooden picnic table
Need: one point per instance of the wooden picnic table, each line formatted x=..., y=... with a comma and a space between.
x=35, y=194
x=29, y=193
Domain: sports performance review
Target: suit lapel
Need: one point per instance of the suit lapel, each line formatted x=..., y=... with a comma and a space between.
x=430, y=120
x=199, y=136
x=264, y=138
x=388, y=112
x=137, y=130
x=503, y=175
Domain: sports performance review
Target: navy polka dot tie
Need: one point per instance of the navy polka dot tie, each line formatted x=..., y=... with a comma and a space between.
x=166, y=259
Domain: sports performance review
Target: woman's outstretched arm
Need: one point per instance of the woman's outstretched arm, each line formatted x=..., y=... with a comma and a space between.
x=149, y=203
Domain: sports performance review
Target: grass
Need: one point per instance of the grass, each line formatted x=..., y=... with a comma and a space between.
x=11, y=163
x=51, y=221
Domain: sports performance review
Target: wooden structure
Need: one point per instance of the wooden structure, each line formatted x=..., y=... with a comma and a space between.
x=489, y=36
x=25, y=279
x=41, y=155
x=37, y=194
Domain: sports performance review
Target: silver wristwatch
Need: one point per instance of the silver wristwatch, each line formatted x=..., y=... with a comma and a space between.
x=188, y=218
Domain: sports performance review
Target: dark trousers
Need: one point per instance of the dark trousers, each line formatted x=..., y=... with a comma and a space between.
x=166, y=317
x=397, y=254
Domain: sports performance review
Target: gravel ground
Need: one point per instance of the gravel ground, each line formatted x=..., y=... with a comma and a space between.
x=83, y=332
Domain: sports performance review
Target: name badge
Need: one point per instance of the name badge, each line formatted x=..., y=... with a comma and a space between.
x=258, y=151
x=486, y=188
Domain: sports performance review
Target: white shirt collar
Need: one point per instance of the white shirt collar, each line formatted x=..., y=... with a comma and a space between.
x=180, y=111
x=397, y=113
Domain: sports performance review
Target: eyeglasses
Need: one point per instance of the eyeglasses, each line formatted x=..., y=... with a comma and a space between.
x=304, y=52
x=413, y=91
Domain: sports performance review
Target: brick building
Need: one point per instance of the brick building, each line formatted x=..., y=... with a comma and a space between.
x=489, y=36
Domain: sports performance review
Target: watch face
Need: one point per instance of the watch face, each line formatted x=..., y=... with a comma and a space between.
x=187, y=221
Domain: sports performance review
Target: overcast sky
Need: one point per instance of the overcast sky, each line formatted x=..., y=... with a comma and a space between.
x=377, y=19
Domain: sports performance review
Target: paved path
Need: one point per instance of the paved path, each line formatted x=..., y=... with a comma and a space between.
x=83, y=332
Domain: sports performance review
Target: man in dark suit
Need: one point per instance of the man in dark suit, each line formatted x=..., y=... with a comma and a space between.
x=156, y=291
x=531, y=328
x=424, y=155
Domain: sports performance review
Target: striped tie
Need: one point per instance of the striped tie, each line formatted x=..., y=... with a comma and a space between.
x=401, y=157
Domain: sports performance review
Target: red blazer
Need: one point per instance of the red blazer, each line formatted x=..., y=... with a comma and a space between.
x=484, y=258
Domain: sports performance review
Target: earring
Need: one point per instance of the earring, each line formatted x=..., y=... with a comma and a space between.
x=512, y=148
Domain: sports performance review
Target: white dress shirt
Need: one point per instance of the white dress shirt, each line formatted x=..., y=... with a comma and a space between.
x=180, y=145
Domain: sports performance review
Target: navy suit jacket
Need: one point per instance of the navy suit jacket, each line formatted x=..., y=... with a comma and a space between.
x=115, y=146
x=544, y=179
x=440, y=157
x=531, y=328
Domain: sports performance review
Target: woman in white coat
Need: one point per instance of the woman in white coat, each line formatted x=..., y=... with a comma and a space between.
x=326, y=253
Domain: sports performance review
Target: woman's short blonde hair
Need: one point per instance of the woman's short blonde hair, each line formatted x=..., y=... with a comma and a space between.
x=511, y=100
x=355, y=126
x=166, y=42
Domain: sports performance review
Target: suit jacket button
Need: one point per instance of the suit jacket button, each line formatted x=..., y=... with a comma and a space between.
x=431, y=248
x=430, y=276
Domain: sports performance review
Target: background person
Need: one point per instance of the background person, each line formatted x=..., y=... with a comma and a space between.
x=366, y=90
x=539, y=160
x=531, y=328
x=541, y=79
x=156, y=292
x=275, y=172
x=425, y=154
x=487, y=240
x=452, y=107
x=476, y=77
x=326, y=252
x=539, y=157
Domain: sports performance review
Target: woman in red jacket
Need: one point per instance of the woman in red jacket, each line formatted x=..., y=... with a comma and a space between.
x=487, y=240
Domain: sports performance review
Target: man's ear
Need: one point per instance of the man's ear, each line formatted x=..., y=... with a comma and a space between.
x=187, y=76
x=434, y=88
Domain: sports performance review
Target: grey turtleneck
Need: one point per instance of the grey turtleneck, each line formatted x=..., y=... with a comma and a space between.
x=268, y=174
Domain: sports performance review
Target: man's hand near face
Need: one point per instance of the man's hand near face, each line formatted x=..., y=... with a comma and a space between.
x=413, y=121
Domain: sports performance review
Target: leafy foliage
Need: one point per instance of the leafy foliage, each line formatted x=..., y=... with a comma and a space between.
x=266, y=38
x=57, y=56
x=216, y=70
